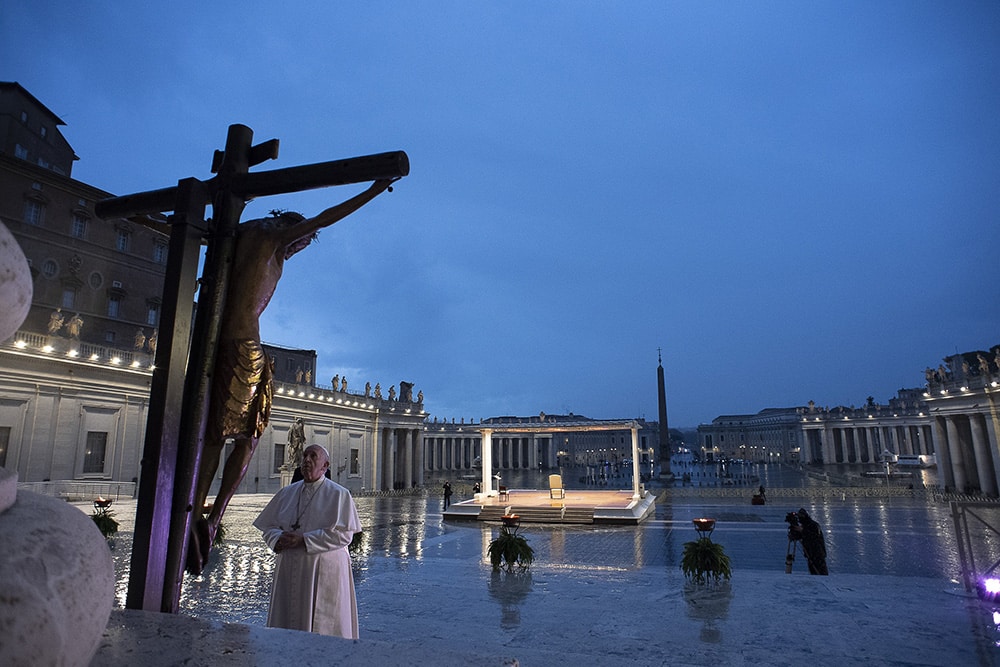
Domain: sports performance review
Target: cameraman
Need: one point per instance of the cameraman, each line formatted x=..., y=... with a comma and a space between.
x=813, y=545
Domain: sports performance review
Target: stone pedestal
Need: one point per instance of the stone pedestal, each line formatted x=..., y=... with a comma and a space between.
x=286, y=477
x=56, y=580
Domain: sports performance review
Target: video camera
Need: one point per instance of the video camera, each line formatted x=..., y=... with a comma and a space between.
x=792, y=519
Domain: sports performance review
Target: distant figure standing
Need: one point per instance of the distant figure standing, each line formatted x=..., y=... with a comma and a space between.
x=447, y=495
x=241, y=392
x=310, y=525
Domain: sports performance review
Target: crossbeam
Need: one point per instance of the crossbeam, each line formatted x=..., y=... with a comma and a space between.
x=391, y=165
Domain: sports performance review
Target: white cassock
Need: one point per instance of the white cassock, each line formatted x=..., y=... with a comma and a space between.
x=313, y=589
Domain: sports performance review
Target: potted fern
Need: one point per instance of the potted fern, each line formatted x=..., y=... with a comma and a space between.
x=703, y=560
x=510, y=550
x=103, y=518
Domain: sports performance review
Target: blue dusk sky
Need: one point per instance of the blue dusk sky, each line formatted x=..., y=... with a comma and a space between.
x=795, y=200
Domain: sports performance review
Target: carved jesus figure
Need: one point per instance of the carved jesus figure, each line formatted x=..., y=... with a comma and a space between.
x=240, y=401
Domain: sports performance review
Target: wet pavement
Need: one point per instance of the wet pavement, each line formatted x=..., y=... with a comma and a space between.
x=605, y=595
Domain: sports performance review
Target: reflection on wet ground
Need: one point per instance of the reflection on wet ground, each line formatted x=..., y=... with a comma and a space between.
x=864, y=536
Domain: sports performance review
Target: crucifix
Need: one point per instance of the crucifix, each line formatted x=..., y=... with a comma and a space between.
x=189, y=418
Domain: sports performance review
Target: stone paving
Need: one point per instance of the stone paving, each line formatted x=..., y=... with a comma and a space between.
x=595, y=595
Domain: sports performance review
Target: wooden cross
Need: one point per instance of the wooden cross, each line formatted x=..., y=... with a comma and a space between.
x=178, y=400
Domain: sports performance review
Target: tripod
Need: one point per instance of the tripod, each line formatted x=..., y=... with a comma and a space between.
x=790, y=555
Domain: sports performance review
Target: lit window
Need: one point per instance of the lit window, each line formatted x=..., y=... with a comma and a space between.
x=114, y=306
x=49, y=268
x=153, y=314
x=69, y=297
x=20, y=152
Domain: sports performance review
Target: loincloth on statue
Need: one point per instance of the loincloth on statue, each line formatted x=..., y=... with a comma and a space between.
x=242, y=388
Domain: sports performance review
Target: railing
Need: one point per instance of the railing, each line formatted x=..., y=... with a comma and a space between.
x=42, y=345
x=929, y=494
x=76, y=490
x=391, y=493
x=962, y=512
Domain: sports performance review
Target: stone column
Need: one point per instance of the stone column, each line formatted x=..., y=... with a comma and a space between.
x=956, y=455
x=487, y=456
x=635, y=464
x=392, y=458
x=925, y=440
x=828, y=445
x=407, y=436
x=991, y=420
x=418, y=469
x=984, y=464
x=379, y=464
x=941, y=450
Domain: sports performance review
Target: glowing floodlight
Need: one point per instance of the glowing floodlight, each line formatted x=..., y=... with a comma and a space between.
x=988, y=589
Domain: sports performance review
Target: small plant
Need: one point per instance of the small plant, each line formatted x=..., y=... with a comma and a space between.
x=703, y=560
x=106, y=523
x=510, y=550
x=356, y=542
x=220, y=535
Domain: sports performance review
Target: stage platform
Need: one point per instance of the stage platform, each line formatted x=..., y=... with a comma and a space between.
x=536, y=506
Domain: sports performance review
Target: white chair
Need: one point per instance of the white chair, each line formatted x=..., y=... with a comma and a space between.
x=556, y=489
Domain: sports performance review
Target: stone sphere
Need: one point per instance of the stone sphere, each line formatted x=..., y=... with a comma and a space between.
x=15, y=284
x=56, y=583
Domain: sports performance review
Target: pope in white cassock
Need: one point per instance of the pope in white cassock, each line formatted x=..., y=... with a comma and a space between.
x=309, y=525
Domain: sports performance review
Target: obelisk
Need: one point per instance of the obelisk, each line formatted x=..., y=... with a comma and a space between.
x=665, y=450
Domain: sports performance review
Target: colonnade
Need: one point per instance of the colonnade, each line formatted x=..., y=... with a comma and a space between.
x=399, y=460
x=968, y=456
x=451, y=452
x=860, y=443
x=509, y=452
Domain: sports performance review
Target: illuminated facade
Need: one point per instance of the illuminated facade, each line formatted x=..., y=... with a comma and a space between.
x=954, y=418
x=961, y=400
x=74, y=382
x=107, y=274
x=66, y=416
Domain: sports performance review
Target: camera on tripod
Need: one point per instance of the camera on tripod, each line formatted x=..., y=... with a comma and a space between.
x=792, y=519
